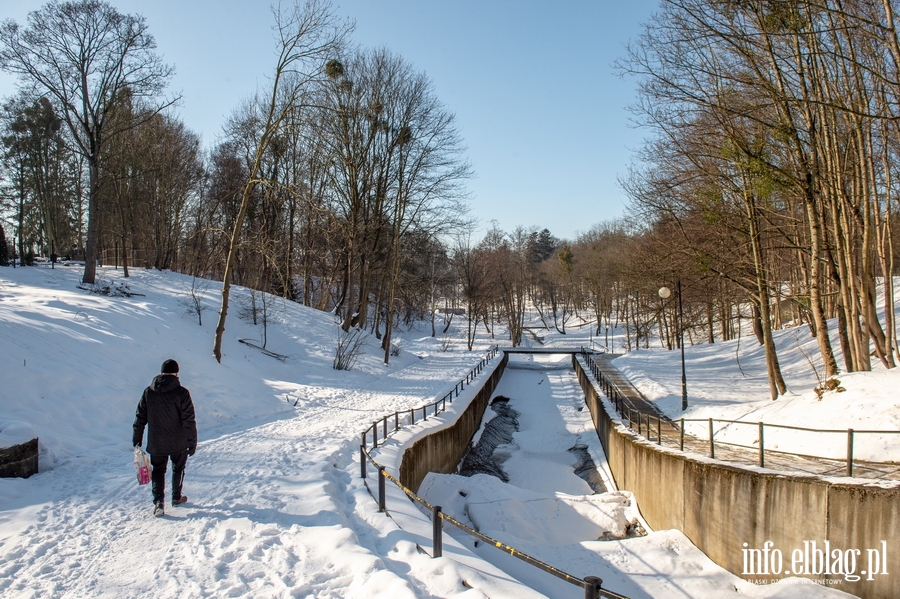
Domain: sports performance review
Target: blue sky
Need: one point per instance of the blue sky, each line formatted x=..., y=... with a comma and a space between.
x=531, y=83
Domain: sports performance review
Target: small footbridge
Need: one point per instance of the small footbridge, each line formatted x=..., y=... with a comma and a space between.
x=542, y=350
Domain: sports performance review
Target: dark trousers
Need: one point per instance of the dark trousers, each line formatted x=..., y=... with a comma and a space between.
x=158, y=477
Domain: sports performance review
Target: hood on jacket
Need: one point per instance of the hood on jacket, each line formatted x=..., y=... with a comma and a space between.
x=163, y=383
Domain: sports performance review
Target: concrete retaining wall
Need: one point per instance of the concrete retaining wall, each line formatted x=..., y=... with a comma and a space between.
x=443, y=450
x=19, y=460
x=734, y=513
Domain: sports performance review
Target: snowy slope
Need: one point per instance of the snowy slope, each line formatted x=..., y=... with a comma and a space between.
x=277, y=508
x=274, y=509
x=727, y=380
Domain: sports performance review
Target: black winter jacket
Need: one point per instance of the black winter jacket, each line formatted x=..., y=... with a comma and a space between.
x=167, y=407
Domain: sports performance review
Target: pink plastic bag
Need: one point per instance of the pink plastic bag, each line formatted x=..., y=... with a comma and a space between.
x=142, y=466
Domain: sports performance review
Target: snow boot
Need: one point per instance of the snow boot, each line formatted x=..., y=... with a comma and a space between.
x=159, y=509
x=180, y=500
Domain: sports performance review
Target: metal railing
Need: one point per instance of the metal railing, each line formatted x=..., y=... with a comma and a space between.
x=850, y=435
x=643, y=424
x=608, y=387
x=437, y=406
x=591, y=585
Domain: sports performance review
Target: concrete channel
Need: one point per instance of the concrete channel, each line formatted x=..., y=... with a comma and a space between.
x=724, y=508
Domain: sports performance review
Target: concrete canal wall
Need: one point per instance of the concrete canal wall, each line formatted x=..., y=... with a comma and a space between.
x=759, y=524
x=443, y=450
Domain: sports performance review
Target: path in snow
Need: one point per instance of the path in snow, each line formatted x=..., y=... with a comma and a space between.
x=274, y=511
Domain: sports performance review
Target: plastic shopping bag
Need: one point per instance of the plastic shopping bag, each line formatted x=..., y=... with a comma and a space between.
x=142, y=466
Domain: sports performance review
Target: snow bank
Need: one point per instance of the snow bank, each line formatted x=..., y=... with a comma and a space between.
x=13, y=433
x=520, y=516
x=728, y=381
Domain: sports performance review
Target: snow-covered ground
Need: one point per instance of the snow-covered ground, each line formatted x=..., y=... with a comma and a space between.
x=728, y=381
x=277, y=507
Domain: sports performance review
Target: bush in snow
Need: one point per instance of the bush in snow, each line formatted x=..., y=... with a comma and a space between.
x=193, y=299
x=347, y=348
x=109, y=288
x=832, y=384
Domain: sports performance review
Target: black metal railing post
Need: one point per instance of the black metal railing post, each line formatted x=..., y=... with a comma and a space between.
x=762, y=447
x=382, y=492
x=436, y=532
x=849, y=452
x=592, y=585
x=362, y=458
x=682, y=434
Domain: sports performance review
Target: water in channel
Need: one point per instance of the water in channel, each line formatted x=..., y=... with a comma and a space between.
x=496, y=443
x=484, y=457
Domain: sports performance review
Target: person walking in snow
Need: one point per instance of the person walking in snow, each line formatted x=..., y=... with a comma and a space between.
x=167, y=408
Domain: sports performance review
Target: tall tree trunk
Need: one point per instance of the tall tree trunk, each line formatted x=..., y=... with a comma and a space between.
x=231, y=258
x=93, y=228
x=777, y=385
x=815, y=282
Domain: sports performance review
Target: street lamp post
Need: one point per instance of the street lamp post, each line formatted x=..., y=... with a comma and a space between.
x=664, y=293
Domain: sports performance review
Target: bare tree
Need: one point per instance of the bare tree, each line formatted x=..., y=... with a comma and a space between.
x=192, y=299
x=474, y=281
x=306, y=35
x=424, y=183
x=82, y=54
